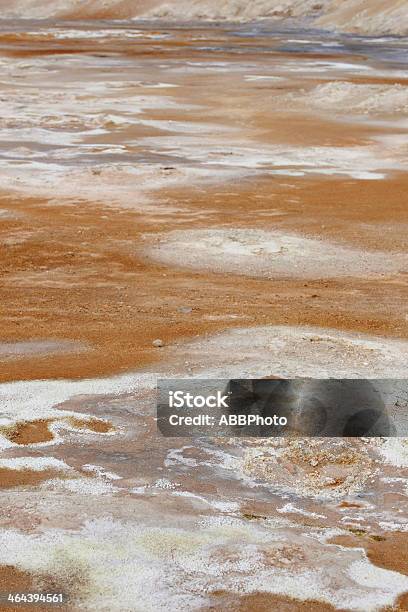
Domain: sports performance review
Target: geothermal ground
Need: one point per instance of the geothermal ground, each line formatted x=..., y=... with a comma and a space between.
x=240, y=193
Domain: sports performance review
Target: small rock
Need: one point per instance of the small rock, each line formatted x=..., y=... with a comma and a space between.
x=158, y=343
x=185, y=309
x=284, y=561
